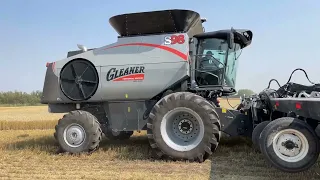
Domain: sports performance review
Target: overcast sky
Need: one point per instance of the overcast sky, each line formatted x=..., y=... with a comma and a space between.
x=33, y=32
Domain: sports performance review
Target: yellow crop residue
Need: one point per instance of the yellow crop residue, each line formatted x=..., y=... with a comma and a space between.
x=31, y=153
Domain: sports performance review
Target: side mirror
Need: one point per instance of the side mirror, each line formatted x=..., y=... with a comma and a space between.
x=231, y=39
x=82, y=47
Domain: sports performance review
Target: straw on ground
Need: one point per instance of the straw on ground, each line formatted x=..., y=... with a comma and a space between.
x=32, y=154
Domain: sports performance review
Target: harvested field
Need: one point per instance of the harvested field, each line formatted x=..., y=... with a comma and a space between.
x=37, y=117
x=27, y=117
x=26, y=153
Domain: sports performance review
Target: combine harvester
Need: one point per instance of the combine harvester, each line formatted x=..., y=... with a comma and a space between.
x=164, y=75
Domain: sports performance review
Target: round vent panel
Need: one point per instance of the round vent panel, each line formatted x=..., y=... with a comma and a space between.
x=79, y=80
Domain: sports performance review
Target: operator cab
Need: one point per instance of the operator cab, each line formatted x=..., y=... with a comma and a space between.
x=215, y=59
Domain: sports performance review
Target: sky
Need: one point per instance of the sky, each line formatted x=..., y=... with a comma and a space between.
x=34, y=32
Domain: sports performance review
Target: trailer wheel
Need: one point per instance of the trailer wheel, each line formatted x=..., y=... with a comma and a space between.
x=290, y=144
x=256, y=134
x=183, y=126
x=78, y=131
x=119, y=135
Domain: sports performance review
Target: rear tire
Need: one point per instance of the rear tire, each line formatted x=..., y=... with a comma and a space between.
x=256, y=134
x=183, y=126
x=78, y=131
x=290, y=144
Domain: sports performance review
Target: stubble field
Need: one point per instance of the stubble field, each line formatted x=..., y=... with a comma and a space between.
x=29, y=151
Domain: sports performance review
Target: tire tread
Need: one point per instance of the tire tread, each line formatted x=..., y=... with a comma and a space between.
x=212, y=125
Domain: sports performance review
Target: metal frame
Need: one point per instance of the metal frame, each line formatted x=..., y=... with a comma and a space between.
x=305, y=107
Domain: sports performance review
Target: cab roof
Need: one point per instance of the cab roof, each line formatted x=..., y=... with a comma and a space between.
x=241, y=36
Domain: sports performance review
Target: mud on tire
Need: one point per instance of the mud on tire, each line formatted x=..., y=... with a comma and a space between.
x=183, y=126
x=78, y=131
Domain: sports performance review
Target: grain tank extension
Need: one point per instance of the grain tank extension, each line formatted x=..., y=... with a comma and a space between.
x=163, y=74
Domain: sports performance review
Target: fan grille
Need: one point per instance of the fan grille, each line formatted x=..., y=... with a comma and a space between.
x=79, y=80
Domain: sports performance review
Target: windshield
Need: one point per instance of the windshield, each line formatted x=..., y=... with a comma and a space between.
x=211, y=62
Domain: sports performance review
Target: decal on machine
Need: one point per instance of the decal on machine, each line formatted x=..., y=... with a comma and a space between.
x=174, y=39
x=134, y=73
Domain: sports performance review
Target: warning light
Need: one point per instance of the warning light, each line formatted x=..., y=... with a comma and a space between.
x=52, y=65
x=298, y=105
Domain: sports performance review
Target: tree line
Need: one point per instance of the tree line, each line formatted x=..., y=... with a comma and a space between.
x=20, y=98
x=33, y=98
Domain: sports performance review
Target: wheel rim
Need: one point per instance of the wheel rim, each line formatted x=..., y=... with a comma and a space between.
x=182, y=129
x=74, y=135
x=290, y=145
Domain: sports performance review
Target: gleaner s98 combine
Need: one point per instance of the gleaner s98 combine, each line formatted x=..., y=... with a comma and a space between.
x=164, y=75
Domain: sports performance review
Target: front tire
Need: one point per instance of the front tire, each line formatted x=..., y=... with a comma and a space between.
x=290, y=144
x=183, y=126
x=78, y=131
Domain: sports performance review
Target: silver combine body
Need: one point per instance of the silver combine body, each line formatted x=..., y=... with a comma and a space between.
x=133, y=68
x=163, y=74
